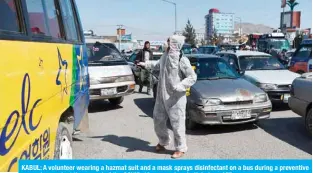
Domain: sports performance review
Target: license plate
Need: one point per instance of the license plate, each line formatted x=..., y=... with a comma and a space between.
x=286, y=97
x=110, y=91
x=241, y=114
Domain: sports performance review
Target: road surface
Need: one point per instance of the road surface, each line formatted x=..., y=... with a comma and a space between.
x=127, y=132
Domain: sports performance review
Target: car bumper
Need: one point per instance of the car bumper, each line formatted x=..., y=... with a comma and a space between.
x=298, y=106
x=122, y=88
x=279, y=96
x=222, y=115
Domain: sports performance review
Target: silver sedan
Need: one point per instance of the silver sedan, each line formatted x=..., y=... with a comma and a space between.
x=221, y=96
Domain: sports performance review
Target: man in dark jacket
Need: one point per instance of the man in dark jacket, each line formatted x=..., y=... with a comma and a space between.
x=145, y=55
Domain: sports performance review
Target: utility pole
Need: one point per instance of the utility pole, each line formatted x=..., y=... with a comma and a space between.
x=120, y=36
x=240, y=29
x=173, y=3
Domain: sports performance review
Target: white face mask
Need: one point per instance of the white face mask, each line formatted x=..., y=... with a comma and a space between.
x=165, y=47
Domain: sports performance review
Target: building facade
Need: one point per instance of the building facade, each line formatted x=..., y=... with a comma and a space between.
x=221, y=23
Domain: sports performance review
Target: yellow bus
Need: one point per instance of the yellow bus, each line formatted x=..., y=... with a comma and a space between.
x=43, y=80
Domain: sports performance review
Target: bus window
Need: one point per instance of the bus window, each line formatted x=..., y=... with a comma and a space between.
x=37, y=17
x=69, y=20
x=8, y=17
x=52, y=20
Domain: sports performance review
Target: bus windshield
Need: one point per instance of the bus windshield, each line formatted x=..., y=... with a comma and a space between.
x=279, y=43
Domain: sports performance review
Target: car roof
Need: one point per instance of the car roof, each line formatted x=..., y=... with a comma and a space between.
x=201, y=56
x=245, y=53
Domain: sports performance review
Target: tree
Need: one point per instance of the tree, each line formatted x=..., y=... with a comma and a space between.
x=202, y=42
x=292, y=4
x=216, y=38
x=190, y=34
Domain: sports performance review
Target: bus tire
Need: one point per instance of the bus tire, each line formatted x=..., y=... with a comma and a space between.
x=63, y=143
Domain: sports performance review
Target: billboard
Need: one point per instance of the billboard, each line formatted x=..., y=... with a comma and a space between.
x=290, y=19
x=283, y=3
x=127, y=37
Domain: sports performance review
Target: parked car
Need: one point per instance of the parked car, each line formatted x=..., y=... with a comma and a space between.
x=264, y=71
x=110, y=76
x=221, y=96
x=299, y=62
x=300, y=101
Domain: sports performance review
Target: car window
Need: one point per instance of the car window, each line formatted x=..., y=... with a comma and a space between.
x=231, y=59
x=132, y=58
x=260, y=63
x=209, y=68
x=8, y=17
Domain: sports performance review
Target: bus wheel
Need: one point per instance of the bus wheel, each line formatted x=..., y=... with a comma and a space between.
x=63, y=143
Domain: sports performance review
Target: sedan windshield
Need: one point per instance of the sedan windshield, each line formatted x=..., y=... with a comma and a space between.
x=260, y=63
x=214, y=68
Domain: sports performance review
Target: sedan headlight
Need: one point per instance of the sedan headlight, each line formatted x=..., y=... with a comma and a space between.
x=213, y=102
x=265, y=86
x=125, y=78
x=94, y=81
x=260, y=98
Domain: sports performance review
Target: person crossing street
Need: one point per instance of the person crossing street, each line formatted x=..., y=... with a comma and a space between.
x=145, y=77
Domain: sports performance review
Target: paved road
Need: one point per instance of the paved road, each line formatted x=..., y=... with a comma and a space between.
x=127, y=132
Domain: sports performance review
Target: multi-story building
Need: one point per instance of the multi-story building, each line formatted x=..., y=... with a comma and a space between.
x=220, y=23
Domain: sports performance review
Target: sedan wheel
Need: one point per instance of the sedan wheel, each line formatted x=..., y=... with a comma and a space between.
x=308, y=122
x=190, y=124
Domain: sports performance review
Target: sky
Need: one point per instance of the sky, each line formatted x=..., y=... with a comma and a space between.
x=154, y=19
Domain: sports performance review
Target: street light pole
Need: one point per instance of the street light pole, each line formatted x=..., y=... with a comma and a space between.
x=175, y=19
x=240, y=27
x=120, y=35
x=173, y=3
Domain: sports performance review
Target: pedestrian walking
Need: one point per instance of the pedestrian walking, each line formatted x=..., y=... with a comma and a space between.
x=145, y=77
x=175, y=77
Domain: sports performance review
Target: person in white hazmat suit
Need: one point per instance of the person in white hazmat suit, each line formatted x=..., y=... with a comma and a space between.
x=175, y=77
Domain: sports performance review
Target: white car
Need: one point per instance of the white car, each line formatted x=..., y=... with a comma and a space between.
x=264, y=71
x=110, y=75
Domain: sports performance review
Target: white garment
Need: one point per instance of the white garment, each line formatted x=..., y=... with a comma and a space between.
x=147, y=56
x=175, y=77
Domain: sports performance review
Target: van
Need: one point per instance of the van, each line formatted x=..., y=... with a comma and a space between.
x=110, y=75
x=300, y=61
